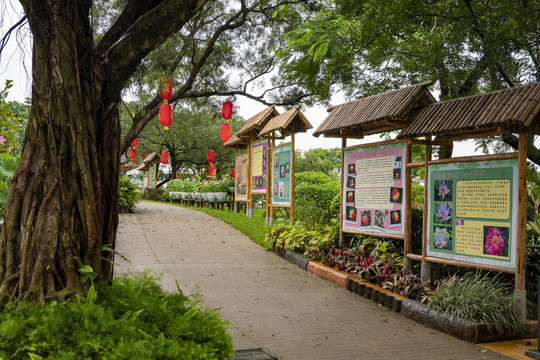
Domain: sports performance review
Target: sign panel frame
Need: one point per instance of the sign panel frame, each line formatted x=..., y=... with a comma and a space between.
x=373, y=193
x=240, y=183
x=281, y=175
x=472, y=212
x=259, y=167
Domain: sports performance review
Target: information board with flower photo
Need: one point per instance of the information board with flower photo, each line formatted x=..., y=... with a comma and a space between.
x=373, y=188
x=472, y=212
x=281, y=175
x=240, y=188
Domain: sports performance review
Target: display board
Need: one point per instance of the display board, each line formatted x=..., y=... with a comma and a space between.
x=472, y=212
x=259, y=153
x=373, y=189
x=240, y=188
x=281, y=175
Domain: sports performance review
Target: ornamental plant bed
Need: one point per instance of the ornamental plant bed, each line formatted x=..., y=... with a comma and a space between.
x=463, y=329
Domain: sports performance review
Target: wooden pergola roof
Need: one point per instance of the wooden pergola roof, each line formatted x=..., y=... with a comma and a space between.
x=258, y=121
x=235, y=142
x=152, y=159
x=376, y=113
x=512, y=110
x=289, y=122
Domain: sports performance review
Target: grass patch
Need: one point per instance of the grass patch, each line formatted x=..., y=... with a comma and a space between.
x=135, y=319
x=255, y=228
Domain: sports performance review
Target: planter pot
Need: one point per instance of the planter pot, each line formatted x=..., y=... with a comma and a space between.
x=221, y=196
x=231, y=190
x=196, y=196
x=187, y=196
x=210, y=197
x=204, y=196
x=175, y=195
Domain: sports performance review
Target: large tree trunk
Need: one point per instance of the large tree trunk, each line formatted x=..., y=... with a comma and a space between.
x=62, y=203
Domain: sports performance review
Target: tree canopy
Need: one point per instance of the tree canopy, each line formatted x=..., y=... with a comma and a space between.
x=367, y=47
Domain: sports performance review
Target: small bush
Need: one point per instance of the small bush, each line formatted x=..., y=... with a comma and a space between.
x=297, y=238
x=477, y=297
x=134, y=320
x=128, y=194
x=314, y=193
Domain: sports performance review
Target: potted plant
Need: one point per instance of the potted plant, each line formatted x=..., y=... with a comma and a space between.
x=220, y=189
x=175, y=188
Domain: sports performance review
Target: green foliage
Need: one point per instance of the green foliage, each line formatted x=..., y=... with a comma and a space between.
x=478, y=297
x=296, y=237
x=327, y=161
x=128, y=193
x=314, y=192
x=13, y=118
x=135, y=319
x=8, y=164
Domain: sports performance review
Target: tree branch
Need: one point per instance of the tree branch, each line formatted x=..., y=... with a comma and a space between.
x=143, y=36
x=533, y=153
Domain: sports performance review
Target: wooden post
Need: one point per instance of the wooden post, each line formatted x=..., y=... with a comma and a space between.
x=249, y=200
x=271, y=157
x=268, y=183
x=293, y=156
x=520, y=291
x=408, y=208
x=425, y=271
x=341, y=235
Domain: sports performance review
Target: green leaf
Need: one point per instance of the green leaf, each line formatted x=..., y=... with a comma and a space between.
x=34, y=356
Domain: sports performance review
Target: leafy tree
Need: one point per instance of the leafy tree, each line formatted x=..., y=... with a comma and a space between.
x=366, y=47
x=63, y=200
x=193, y=132
x=12, y=122
x=327, y=161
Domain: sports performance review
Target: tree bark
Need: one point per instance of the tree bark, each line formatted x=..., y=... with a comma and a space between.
x=63, y=200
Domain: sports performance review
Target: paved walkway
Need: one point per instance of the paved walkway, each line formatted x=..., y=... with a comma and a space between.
x=271, y=303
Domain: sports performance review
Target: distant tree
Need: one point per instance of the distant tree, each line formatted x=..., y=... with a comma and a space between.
x=327, y=161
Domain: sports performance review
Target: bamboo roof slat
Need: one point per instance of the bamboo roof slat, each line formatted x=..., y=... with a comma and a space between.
x=258, y=121
x=496, y=111
x=392, y=105
x=284, y=122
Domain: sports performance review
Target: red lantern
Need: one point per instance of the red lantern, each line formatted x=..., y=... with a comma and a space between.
x=165, y=115
x=225, y=132
x=210, y=156
x=234, y=173
x=226, y=112
x=165, y=88
x=134, y=143
x=132, y=154
x=212, y=170
x=164, y=157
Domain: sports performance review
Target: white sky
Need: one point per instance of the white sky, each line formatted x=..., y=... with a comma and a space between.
x=15, y=64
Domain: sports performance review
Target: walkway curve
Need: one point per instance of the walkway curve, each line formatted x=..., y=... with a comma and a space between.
x=271, y=303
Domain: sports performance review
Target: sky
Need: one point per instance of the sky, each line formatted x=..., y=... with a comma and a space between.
x=15, y=64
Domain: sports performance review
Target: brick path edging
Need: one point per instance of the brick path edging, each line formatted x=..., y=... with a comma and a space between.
x=460, y=328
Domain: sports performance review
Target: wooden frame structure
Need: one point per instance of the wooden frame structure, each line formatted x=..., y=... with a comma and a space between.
x=279, y=127
x=423, y=121
x=245, y=138
x=150, y=161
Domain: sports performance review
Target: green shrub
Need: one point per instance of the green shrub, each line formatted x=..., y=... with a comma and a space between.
x=128, y=194
x=297, y=238
x=134, y=320
x=477, y=297
x=314, y=193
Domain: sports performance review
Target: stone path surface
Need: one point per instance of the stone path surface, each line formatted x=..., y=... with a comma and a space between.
x=271, y=303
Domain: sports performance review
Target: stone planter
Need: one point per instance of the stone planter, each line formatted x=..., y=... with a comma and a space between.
x=196, y=196
x=176, y=195
x=463, y=329
x=221, y=196
x=210, y=197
